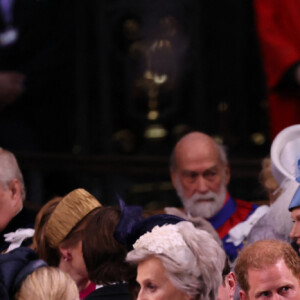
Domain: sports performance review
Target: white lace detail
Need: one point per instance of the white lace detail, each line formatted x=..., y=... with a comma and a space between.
x=168, y=241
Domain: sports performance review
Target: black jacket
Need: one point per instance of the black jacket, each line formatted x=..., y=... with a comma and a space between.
x=14, y=267
x=24, y=219
x=110, y=292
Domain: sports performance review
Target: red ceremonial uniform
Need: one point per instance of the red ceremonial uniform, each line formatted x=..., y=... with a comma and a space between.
x=278, y=25
x=231, y=214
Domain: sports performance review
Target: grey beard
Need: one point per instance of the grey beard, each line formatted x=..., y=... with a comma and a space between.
x=197, y=208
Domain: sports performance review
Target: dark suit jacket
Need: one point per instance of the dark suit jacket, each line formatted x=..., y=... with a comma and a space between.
x=111, y=292
x=24, y=219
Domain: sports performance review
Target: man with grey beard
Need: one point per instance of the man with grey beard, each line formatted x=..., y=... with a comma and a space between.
x=200, y=174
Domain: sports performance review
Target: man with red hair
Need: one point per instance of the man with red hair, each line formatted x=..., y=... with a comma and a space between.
x=268, y=269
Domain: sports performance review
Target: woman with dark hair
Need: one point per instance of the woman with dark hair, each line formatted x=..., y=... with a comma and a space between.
x=40, y=244
x=58, y=235
x=105, y=257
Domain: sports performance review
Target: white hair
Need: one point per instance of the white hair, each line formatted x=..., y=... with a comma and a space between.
x=202, y=209
x=9, y=170
x=201, y=276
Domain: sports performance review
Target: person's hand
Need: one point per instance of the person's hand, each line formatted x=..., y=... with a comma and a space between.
x=11, y=87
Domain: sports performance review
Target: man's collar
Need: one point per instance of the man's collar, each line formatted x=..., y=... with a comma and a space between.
x=225, y=213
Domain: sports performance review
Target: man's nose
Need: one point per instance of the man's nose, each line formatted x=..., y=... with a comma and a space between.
x=277, y=297
x=140, y=295
x=202, y=186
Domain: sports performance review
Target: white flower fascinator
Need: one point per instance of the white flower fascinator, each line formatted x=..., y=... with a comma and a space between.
x=166, y=240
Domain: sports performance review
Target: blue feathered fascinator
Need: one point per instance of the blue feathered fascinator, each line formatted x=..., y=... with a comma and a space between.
x=132, y=224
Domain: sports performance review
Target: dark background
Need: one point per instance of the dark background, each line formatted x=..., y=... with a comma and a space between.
x=82, y=118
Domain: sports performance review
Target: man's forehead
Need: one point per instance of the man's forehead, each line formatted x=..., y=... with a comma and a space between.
x=196, y=150
x=198, y=160
x=279, y=266
x=201, y=169
x=199, y=144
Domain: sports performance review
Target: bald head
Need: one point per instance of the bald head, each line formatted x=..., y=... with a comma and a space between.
x=200, y=173
x=194, y=143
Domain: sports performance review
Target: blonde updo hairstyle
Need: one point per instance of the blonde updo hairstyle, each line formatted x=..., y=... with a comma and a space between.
x=48, y=283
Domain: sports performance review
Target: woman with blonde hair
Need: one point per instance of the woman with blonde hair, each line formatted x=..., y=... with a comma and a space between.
x=48, y=283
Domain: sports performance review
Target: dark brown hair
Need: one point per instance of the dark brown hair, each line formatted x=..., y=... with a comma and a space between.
x=226, y=270
x=104, y=256
x=40, y=243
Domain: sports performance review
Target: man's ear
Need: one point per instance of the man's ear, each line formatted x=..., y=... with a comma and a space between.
x=243, y=295
x=15, y=190
x=65, y=253
x=227, y=174
x=231, y=283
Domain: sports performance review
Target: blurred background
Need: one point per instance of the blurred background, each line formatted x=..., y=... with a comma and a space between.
x=111, y=85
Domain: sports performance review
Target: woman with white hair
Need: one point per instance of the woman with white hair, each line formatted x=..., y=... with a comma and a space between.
x=178, y=262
